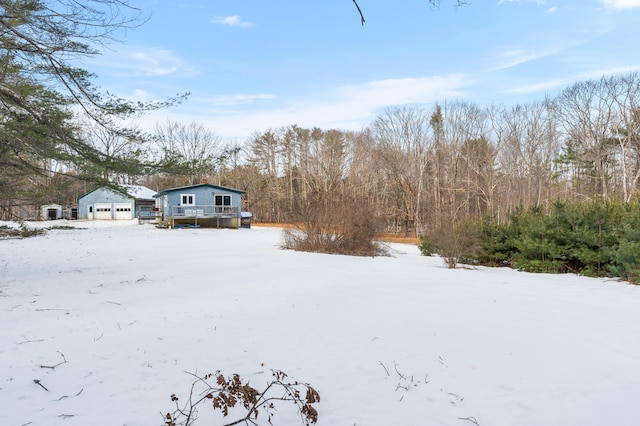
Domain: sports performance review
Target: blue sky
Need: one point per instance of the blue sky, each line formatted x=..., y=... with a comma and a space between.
x=252, y=65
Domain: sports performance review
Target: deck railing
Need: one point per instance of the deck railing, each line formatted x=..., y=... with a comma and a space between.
x=204, y=211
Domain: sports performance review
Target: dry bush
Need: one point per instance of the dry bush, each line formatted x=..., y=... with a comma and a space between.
x=334, y=223
x=455, y=241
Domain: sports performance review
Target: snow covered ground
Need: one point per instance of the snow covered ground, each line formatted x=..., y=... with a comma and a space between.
x=397, y=340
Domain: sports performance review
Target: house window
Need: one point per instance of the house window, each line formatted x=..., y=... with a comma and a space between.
x=223, y=200
x=188, y=199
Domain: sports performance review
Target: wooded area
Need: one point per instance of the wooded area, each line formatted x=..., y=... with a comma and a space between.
x=417, y=168
x=413, y=167
x=410, y=170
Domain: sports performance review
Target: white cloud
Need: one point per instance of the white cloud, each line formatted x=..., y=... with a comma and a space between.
x=621, y=4
x=401, y=91
x=349, y=107
x=543, y=87
x=609, y=71
x=239, y=99
x=551, y=10
x=561, y=83
x=511, y=58
x=232, y=21
x=141, y=95
x=144, y=62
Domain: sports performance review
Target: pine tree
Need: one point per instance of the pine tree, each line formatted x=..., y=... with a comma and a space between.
x=41, y=91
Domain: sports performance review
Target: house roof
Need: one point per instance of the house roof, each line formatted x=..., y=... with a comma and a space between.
x=140, y=192
x=182, y=188
x=137, y=192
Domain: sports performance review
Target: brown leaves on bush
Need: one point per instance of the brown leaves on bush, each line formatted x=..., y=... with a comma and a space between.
x=230, y=392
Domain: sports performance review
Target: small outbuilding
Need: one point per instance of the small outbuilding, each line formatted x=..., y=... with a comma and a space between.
x=105, y=203
x=51, y=212
x=200, y=205
x=245, y=219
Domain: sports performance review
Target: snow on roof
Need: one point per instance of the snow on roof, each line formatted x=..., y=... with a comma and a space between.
x=140, y=192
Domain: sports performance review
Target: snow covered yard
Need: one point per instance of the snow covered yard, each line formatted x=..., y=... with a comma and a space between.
x=397, y=340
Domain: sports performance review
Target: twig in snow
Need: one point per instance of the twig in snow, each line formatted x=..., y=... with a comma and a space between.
x=29, y=341
x=402, y=387
x=66, y=416
x=113, y=303
x=64, y=361
x=37, y=382
x=442, y=362
x=67, y=396
x=385, y=368
x=395, y=366
x=470, y=419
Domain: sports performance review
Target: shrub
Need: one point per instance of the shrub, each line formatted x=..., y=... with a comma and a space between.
x=455, y=241
x=334, y=223
x=592, y=239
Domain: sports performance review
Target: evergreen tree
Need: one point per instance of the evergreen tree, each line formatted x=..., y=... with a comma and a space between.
x=40, y=89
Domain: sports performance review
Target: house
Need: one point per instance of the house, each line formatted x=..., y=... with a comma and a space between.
x=200, y=205
x=109, y=204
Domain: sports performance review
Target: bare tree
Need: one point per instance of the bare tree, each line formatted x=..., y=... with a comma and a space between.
x=529, y=145
x=586, y=113
x=265, y=155
x=402, y=137
x=625, y=91
x=130, y=146
x=190, y=151
x=457, y=123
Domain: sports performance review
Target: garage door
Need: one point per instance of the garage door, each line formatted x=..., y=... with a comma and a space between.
x=102, y=211
x=123, y=211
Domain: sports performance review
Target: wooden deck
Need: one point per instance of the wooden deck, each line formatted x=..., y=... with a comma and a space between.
x=215, y=216
x=204, y=211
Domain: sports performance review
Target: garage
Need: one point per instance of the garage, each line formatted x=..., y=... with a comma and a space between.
x=105, y=203
x=102, y=211
x=123, y=211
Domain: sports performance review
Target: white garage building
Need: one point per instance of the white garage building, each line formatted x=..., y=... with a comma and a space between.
x=108, y=204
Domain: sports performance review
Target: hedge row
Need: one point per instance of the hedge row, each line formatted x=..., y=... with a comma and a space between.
x=593, y=239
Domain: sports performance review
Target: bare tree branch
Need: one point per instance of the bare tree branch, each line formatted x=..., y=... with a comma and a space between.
x=432, y=3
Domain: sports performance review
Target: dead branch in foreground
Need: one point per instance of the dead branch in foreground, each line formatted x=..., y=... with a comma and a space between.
x=229, y=392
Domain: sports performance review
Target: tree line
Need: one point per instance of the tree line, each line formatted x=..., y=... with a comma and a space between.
x=413, y=167
x=418, y=168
